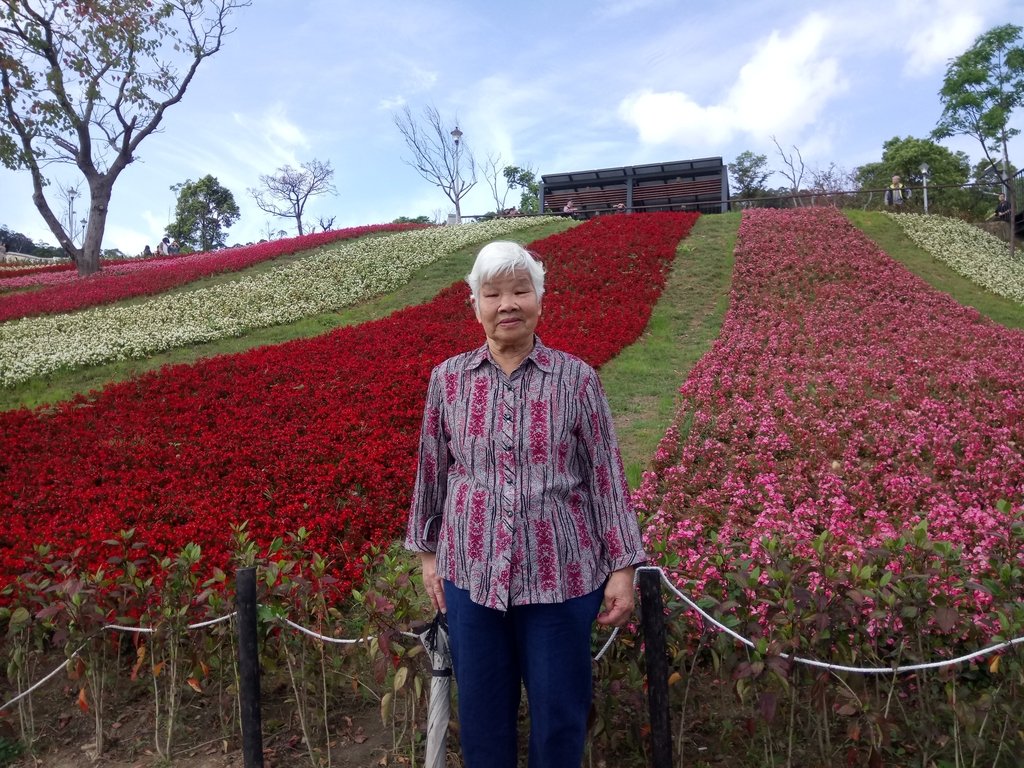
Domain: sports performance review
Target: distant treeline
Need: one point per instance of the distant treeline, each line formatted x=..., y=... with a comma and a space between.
x=15, y=242
x=19, y=243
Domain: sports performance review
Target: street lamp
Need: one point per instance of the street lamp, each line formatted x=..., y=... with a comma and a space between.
x=924, y=177
x=72, y=194
x=457, y=182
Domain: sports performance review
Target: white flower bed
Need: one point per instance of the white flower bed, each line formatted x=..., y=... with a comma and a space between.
x=342, y=276
x=970, y=251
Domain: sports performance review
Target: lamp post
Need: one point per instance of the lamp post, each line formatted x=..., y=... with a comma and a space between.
x=72, y=194
x=457, y=181
x=924, y=177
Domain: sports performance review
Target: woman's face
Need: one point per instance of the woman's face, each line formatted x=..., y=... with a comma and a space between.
x=508, y=308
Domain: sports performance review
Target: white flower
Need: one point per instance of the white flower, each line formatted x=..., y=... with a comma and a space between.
x=338, y=277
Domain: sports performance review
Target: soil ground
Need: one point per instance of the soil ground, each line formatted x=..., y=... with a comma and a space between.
x=360, y=739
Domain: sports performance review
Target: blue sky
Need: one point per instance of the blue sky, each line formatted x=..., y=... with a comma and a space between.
x=555, y=86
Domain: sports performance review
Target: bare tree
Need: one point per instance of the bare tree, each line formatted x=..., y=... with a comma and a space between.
x=269, y=233
x=496, y=180
x=439, y=154
x=326, y=224
x=830, y=182
x=794, y=175
x=287, y=191
x=83, y=84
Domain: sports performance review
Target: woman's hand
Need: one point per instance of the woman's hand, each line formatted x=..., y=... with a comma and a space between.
x=432, y=583
x=618, y=599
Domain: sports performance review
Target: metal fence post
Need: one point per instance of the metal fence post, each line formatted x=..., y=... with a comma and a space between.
x=249, y=668
x=652, y=622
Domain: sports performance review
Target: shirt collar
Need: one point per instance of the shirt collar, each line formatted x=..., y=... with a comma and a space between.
x=540, y=355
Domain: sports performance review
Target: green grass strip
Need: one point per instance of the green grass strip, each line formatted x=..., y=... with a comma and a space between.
x=642, y=382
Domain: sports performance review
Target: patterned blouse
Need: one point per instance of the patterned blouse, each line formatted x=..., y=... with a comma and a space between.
x=520, y=488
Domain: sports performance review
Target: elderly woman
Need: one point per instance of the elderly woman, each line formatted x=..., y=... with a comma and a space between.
x=521, y=516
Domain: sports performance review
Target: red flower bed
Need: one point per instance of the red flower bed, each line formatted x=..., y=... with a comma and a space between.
x=843, y=397
x=6, y=274
x=145, y=278
x=318, y=433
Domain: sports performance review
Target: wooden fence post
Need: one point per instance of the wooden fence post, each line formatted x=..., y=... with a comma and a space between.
x=249, y=668
x=652, y=622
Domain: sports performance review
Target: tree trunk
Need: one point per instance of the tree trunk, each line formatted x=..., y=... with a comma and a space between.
x=458, y=209
x=89, y=257
x=1011, y=194
x=298, y=223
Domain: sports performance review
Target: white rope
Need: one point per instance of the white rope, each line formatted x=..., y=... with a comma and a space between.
x=615, y=633
x=337, y=640
x=821, y=664
x=317, y=635
x=114, y=628
x=25, y=693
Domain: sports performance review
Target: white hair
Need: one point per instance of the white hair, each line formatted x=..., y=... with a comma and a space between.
x=504, y=257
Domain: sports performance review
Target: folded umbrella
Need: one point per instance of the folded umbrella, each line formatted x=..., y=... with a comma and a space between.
x=435, y=640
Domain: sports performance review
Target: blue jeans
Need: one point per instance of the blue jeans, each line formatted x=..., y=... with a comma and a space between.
x=547, y=648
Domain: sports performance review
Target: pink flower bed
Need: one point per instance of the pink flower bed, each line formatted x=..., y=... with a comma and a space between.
x=64, y=291
x=844, y=396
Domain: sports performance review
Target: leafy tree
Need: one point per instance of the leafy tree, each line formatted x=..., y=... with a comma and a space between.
x=749, y=172
x=287, y=191
x=439, y=154
x=204, y=213
x=526, y=180
x=948, y=171
x=409, y=220
x=84, y=84
x=15, y=242
x=987, y=174
x=982, y=88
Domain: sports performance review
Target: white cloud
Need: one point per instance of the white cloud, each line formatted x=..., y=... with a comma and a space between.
x=943, y=33
x=784, y=87
x=393, y=103
x=278, y=129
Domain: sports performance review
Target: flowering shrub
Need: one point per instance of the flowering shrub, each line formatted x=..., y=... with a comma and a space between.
x=317, y=433
x=971, y=252
x=123, y=279
x=844, y=404
x=336, y=278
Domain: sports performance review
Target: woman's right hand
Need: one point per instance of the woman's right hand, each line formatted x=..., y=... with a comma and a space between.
x=432, y=583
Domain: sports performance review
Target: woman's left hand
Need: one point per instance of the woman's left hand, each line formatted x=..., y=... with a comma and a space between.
x=618, y=599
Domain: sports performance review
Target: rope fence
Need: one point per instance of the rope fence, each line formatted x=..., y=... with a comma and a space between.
x=719, y=626
x=800, y=659
x=648, y=579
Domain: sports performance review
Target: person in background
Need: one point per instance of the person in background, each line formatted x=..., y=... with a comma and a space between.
x=896, y=194
x=163, y=247
x=174, y=247
x=147, y=251
x=1002, y=212
x=570, y=207
x=522, y=519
